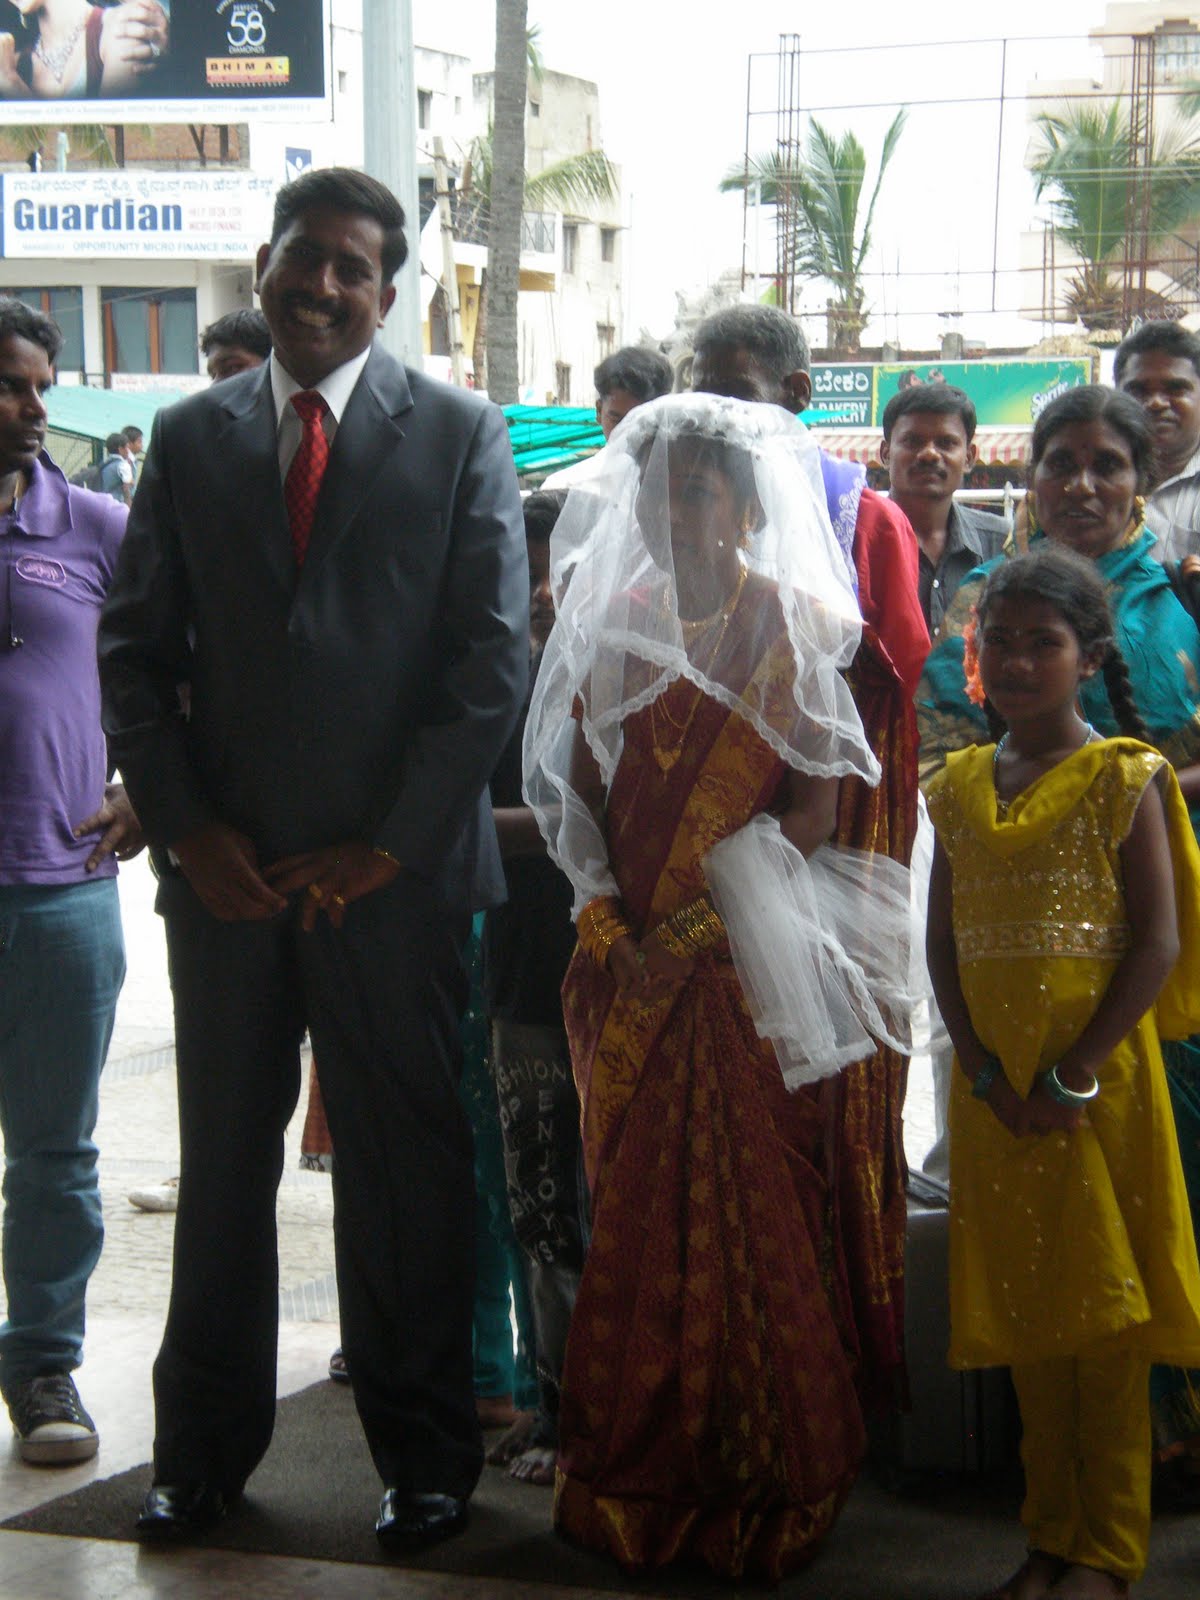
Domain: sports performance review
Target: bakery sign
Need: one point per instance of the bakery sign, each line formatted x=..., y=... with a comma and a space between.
x=158, y=61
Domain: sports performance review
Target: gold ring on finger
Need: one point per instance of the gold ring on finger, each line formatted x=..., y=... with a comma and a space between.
x=316, y=891
x=339, y=900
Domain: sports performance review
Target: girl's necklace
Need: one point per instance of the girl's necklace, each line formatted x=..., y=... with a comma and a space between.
x=55, y=61
x=668, y=751
x=1088, y=735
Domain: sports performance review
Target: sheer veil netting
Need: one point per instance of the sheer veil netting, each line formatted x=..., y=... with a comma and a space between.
x=654, y=583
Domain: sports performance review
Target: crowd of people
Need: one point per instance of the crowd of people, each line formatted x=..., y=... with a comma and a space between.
x=579, y=835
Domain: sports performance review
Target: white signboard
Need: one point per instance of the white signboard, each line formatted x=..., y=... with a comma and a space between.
x=190, y=216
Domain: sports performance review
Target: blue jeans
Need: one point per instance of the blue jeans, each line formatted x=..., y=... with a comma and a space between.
x=62, y=963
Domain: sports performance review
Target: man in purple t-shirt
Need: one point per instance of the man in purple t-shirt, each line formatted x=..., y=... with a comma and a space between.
x=62, y=959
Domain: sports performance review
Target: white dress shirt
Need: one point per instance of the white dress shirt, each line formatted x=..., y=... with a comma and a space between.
x=335, y=389
x=1173, y=514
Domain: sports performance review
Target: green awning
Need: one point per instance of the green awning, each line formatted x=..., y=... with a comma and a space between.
x=88, y=413
x=545, y=438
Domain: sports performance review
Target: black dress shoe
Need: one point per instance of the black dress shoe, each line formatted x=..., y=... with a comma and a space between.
x=410, y=1521
x=182, y=1511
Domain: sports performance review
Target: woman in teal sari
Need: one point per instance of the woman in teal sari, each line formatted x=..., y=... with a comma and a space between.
x=1091, y=455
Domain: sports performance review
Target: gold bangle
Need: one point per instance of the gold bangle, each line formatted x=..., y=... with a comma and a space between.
x=691, y=929
x=599, y=926
x=672, y=943
x=377, y=849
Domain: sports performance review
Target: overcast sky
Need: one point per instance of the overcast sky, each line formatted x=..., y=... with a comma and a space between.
x=673, y=92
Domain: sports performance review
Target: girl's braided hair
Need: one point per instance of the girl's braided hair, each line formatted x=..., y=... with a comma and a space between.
x=1074, y=588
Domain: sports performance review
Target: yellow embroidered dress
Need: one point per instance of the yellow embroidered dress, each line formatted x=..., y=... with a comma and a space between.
x=1062, y=1240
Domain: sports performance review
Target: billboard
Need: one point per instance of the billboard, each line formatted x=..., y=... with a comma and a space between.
x=151, y=61
x=188, y=216
x=1005, y=393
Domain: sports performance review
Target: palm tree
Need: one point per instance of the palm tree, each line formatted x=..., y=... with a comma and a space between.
x=1085, y=162
x=505, y=195
x=573, y=184
x=818, y=198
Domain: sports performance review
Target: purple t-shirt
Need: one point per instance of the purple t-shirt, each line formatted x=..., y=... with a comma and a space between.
x=57, y=554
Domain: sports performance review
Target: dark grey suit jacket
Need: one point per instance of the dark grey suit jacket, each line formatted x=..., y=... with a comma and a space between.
x=369, y=696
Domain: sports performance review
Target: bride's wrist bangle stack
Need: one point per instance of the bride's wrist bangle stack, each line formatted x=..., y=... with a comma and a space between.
x=1057, y=1089
x=690, y=929
x=600, y=925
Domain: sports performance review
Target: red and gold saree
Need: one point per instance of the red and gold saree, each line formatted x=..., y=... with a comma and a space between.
x=709, y=1408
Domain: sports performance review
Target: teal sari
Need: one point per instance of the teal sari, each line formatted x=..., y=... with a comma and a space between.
x=1158, y=638
x=1161, y=644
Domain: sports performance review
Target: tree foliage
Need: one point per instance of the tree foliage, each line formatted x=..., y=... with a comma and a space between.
x=821, y=197
x=1085, y=164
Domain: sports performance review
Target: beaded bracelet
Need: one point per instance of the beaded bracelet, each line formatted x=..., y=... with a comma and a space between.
x=1057, y=1089
x=691, y=929
x=991, y=1069
x=599, y=925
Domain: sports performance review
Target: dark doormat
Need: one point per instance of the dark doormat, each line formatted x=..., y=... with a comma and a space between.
x=316, y=1493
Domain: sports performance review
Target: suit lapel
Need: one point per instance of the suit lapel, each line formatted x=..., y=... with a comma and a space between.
x=366, y=441
x=251, y=445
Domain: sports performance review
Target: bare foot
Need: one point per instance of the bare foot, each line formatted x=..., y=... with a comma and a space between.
x=1089, y=1583
x=1033, y=1580
x=535, y=1465
x=495, y=1411
x=515, y=1440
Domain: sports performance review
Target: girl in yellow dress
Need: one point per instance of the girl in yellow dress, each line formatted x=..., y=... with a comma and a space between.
x=1064, y=937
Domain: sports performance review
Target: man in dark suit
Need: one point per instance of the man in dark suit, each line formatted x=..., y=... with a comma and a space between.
x=329, y=552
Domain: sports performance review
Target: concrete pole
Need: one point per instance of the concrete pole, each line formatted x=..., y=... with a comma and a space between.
x=390, y=153
x=449, y=270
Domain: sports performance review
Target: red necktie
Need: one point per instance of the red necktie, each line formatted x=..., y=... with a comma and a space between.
x=306, y=471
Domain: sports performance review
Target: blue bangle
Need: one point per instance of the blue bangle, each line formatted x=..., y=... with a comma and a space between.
x=1057, y=1089
x=991, y=1069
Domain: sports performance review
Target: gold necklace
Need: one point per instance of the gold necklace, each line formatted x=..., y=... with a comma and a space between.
x=666, y=754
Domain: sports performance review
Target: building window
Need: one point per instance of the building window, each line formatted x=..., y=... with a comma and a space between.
x=424, y=107
x=562, y=382
x=458, y=105
x=535, y=110
x=66, y=307
x=570, y=245
x=537, y=231
x=606, y=339
x=343, y=82
x=149, y=330
x=608, y=244
x=1176, y=52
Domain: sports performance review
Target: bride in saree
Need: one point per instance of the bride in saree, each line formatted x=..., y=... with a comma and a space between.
x=683, y=753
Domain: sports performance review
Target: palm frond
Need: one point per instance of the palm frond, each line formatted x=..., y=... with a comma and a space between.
x=574, y=183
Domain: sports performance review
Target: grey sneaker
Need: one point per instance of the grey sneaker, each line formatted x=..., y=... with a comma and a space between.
x=49, y=1420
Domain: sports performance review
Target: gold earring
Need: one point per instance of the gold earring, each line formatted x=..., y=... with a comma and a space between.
x=1139, y=507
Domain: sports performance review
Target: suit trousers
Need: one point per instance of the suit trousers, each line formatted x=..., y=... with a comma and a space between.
x=381, y=998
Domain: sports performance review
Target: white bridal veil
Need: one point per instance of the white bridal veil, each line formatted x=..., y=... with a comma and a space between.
x=820, y=946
